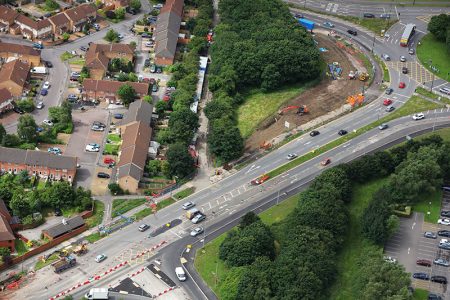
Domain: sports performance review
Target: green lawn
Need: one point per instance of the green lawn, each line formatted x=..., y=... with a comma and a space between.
x=434, y=208
x=354, y=243
x=40, y=264
x=68, y=212
x=420, y=294
x=375, y=24
x=114, y=137
x=430, y=48
x=92, y=238
x=124, y=205
x=386, y=77
x=184, y=193
x=79, y=61
x=258, y=106
x=444, y=133
x=97, y=217
x=142, y=214
x=21, y=247
x=278, y=212
x=66, y=56
x=111, y=149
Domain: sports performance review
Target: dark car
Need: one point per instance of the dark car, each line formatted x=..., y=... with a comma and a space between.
x=388, y=91
x=420, y=275
x=58, y=212
x=342, y=132
x=18, y=110
x=352, y=32
x=44, y=92
x=405, y=70
x=423, y=262
x=314, y=133
x=48, y=64
x=439, y=279
x=434, y=297
x=83, y=48
x=370, y=16
x=445, y=233
x=445, y=213
x=118, y=116
x=102, y=175
x=145, y=35
x=72, y=98
x=147, y=62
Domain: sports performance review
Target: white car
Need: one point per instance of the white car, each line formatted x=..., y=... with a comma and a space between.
x=149, y=44
x=47, y=122
x=188, y=205
x=291, y=156
x=100, y=258
x=390, y=259
x=158, y=6
x=90, y=148
x=40, y=105
x=402, y=58
x=444, y=221
x=120, y=36
x=444, y=241
x=197, y=231
x=46, y=85
x=418, y=116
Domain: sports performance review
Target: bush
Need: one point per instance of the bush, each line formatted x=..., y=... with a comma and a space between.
x=115, y=189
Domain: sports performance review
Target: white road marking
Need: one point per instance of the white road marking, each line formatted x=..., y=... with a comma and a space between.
x=414, y=224
x=409, y=249
x=252, y=168
x=307, y=143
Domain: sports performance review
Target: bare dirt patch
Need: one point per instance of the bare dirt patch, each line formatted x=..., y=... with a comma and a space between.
x=320, y=100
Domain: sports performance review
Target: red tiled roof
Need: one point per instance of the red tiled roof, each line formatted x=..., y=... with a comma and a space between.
x=4, y=95
x=175, y=6
x=31, y=23
x=7, y=14
x=80, y=12
x=59, y=20
x=16, y=71
x=19, y=49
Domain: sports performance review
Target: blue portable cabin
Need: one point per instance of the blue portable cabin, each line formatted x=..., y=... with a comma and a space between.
x=308, y=24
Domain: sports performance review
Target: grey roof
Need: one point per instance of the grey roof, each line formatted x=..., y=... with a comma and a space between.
x=166, y=34
x=138, y=111
x=39, y=158
x=130, y=170
x=60, y=228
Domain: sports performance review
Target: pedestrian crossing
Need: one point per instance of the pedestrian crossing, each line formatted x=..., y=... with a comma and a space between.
x=332, y=7
x=415, y=70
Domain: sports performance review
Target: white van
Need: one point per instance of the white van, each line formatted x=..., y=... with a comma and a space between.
x=181, y=275
x=386, y=57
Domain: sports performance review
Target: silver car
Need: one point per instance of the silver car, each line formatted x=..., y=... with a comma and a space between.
x=430, y=235
x=441, y=262
x=188, y=205
x=197, y=231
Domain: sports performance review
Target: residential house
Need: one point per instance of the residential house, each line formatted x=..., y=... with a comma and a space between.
x=60, y=23
x=66, y=226
x=38, y=163
x=133, y=155
x=140, y=111
x=107, y=89
x=6, y=100
x=7, y=19
x=13, y=77
x=166, y=32
x=6, y=233
x=24, y=53
x=31, y=29
x=99, y=55
x=81, y=15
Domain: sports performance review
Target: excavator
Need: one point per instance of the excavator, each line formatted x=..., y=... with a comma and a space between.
x=301, y=109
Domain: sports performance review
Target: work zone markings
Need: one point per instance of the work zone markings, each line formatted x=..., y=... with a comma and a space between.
x=415, y=70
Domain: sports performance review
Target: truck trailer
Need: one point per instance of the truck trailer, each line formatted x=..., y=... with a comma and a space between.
x=308, y=24
x=97, y=294
x=64, y=263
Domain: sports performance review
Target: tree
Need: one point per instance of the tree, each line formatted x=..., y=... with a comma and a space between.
x=161, y=107
x=60, y=194
x=65, y=36
x=256, y=281
x=216, y=109
x=374, y=219
x=248, y=219
x=23, y=176
x=165, y=168
x=153, y=167
x=120, y=13
x=182, y=124
x=51, y=5
x=123, y=77
x=27, y=129
x=115, y=189
x=439, y=25
x=112, y=36
x=180, y=161
x=2, y=132
x=133, y=43
x=337, y=177
x=5, y=254
x=132, y=77
x=26, y=105
x=10, y=140
x=135, y=4
x=127, y=94
x=225, y=140
x=19, y=204
x=149, y=99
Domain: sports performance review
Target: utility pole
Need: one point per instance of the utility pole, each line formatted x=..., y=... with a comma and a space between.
x=373, y=42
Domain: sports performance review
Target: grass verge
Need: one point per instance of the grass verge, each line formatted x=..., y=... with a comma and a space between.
x=431, y=49
x=114, y=137
x=420, y=294
x=80, y=62
x=66, y=56
x=123, y=205
x=375, y=25
x=427, y=93
x=414, y=104
x=258, y=106
x=148, y=211
x=386, y=77
x=184, y=193
x=21, y=247
x=430, y=202
x=111, y=149
x=40, y=264
x=92, y=238
x=354, y=243
x=97, y=217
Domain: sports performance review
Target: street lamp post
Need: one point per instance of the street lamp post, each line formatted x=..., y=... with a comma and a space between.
x=373, y=42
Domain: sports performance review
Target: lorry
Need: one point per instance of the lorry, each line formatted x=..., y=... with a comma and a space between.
x=64, y=263
x=97, y=294
x=191, y=213
x=308, y=24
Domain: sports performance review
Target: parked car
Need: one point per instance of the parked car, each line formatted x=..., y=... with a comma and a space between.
x=198, y=218
x=328, y=24
x=58, y=212
x=383, y=126
x=388, y=91
x=386, y=57
x=103, y=175
x=47, y=122
x=143, y=227
x=146, y=35
x=387, y=102
x=402, y=85
x=326, y=162
x=389, y=108
x=441, y=262
x=439, y=279
x=291, y=156
x=149, y=44
x=445, y=213
x=423, y=262
x=120, y=36
x=420, y=275
x=402, y=58
x=97, y=128
x=147, y=62
x=368, y=15
x=154, y=88
x=118, y=116
x=444, y=221
x=197, y=231
x=83, y=48
x=40, y=105
x=158, y=69
x=46, y=85
x=100, y=258
x=72, y=97
x=352, y=32
x=109, y=160
x=18, y=110
x=188, y=205
x=418, y=116
x=432, y=296
x=54, y=150
x=44, y=92
x=48, y=64
x=314, y=133
x=430, y=235
x=90, y=148
x=342, y=132
x=385, y=16
x=100, y=124
x=404, y=70
x=153, y=68
x=445, y=90
x=445, y=233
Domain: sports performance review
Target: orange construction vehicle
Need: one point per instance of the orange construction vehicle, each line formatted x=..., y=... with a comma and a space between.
x=301, y=109
x=355, y=99
x=265, y=145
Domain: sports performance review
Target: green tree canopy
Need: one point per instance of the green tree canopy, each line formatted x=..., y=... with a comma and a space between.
x=112, y=36
x=225, y=140
x=439, y=26
x=180, y=161
x=26, y=129
x=127, y=94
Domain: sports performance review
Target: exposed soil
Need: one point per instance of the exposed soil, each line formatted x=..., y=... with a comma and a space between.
x=321, y=99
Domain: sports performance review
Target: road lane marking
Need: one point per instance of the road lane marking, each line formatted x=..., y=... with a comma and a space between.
x=414, y=224
x=252, y=168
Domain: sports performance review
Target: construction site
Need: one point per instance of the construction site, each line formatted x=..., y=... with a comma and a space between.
x=342, y=84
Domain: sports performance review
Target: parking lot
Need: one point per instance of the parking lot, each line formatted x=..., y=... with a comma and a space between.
x=409, y=244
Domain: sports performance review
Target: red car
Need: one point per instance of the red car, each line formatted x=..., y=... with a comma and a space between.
x=402, y=85
x=387, y=102
x=326, y=162
x=260, y=179
x=109, y=160
x=423, y=262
